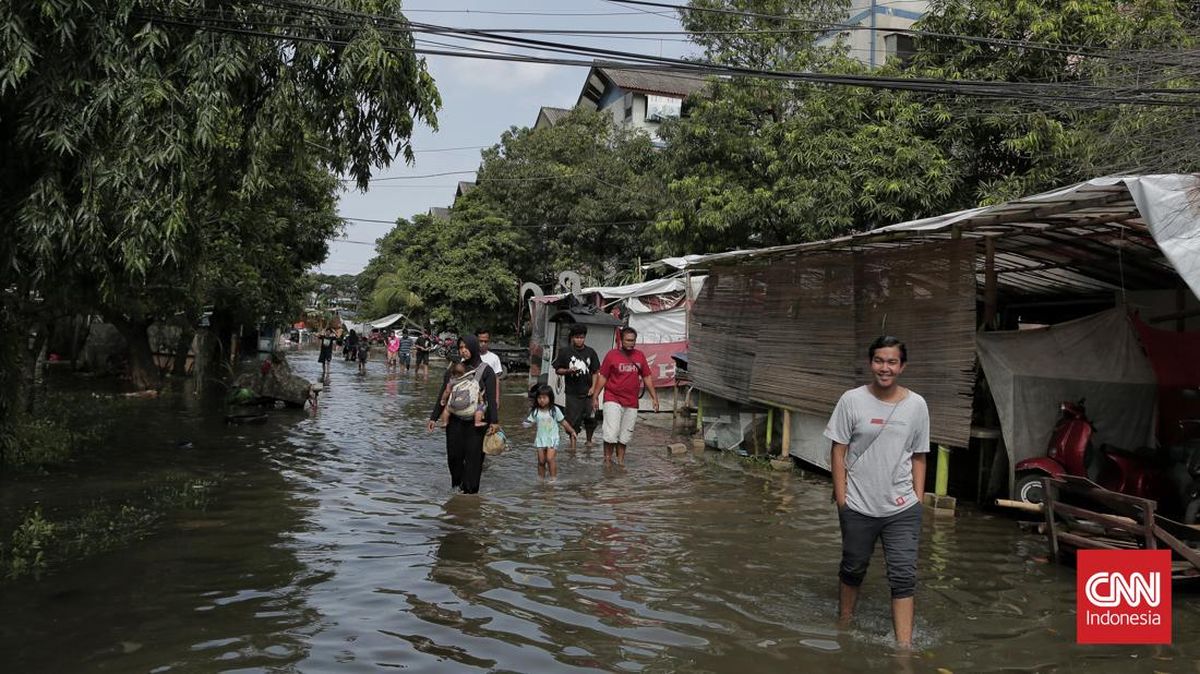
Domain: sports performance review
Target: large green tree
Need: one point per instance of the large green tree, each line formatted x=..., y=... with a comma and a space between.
x=759, y=162
x=456, y=271
x=582, y=193
x=169, y=151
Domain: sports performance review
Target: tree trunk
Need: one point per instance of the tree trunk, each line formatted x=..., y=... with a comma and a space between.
x=182, y=347
x=30, y=362
x=142, y=370
x=206, y=367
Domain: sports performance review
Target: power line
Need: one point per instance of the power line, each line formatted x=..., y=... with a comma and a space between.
x=982, y=89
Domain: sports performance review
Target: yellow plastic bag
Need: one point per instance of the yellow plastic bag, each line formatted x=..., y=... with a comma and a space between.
x=494, y=443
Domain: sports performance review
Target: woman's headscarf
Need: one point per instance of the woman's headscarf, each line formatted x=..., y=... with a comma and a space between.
x=472, y=343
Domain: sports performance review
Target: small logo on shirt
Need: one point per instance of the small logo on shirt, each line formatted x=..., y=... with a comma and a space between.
x=878, y=421
x=900, y=500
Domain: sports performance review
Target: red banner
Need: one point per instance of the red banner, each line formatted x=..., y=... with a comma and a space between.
x=662, y=366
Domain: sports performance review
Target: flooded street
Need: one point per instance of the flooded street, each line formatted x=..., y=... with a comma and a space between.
x=334, y=543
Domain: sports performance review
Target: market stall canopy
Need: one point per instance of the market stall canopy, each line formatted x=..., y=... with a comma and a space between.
x=1061, y=242
x=385, y=322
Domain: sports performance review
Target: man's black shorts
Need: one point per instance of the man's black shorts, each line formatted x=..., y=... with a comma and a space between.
x=579, y=412
x=422, y=357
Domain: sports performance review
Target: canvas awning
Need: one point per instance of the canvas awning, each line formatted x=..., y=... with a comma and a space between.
x=1097, y=359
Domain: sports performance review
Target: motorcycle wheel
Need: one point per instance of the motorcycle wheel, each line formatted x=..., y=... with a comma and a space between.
x=1028, y=488
x=1192, y=513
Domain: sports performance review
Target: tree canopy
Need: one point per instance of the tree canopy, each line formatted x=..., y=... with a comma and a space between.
x=173, y=155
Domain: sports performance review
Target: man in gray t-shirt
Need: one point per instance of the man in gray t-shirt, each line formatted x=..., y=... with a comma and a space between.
x=880, y=436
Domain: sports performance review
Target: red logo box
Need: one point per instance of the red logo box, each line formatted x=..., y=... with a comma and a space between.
x=1123, y=597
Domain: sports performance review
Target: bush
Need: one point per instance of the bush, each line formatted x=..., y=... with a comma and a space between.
x=28, y=552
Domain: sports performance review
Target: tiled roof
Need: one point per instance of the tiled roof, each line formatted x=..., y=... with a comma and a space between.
x=653, y=81
x=553, y=114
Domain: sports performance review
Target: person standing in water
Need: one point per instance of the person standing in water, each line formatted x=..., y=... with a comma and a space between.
x=546, y=417
x=326, y=355
x=464, y=441
x=880, y=436
x=622, y=374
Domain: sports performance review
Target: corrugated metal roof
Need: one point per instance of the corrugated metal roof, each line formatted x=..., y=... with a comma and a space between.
x=1089, y=237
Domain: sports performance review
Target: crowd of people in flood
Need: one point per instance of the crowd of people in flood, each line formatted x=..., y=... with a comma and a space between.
x=597, y=394
x=878, y=433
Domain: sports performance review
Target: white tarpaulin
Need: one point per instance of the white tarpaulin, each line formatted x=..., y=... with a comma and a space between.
x=661, y=326
x=1096, y=358
x=1170, y=205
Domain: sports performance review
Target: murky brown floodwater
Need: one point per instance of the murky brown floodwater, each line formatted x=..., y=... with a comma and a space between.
x=335, y=544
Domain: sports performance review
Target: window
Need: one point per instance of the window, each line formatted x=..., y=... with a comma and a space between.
x=900, y=46
x=659, y=108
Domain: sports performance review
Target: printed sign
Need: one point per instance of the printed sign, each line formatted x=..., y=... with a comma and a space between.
x=662, y=366
x=1123, y=597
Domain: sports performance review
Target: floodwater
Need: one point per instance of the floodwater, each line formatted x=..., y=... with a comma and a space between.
x=333, y=543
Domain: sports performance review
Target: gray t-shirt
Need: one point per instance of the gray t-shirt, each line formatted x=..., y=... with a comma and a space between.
x=880, y=474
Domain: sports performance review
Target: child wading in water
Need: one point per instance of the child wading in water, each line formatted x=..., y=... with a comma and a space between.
x=547, y=418
x=461, y=379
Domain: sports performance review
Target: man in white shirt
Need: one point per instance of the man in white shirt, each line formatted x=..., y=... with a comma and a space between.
x=485, y=351
x=486, y=355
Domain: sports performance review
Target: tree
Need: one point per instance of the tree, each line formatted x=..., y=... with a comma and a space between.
x=155, y=137
x=582, y=194
x=761, y=163
x=1010, y=148
x=458, y=267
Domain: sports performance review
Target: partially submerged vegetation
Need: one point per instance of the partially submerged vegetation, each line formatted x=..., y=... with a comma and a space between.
x=40, y=544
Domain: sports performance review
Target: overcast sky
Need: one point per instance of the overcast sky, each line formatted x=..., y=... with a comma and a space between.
x=480, y=100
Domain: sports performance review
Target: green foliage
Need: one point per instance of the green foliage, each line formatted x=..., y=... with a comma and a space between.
x=459, y=270
x=1006, y=149
x=580, y=193
x=163, y=167
x=760, y=163
x=38, y=545
x=26, y=553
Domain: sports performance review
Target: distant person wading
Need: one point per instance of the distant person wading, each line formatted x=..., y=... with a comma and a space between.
x=464, y=440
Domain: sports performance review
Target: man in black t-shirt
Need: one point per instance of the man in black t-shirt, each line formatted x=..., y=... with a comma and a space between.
x=423, y=346
x=580, y=366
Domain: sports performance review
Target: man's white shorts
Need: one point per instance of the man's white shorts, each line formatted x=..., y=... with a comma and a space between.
x=618, y=423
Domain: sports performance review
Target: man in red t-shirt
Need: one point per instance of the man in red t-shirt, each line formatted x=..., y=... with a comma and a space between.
x=621, y=377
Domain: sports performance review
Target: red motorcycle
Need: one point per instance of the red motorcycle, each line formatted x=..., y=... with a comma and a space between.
x=1165, y=474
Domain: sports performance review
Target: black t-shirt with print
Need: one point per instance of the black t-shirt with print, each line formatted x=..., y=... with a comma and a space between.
x=583, y=363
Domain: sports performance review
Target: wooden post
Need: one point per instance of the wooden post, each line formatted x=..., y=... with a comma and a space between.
x=786, y=436
x=943, y=471
x=700, y=412
x=1050, y=492
x=770, y=424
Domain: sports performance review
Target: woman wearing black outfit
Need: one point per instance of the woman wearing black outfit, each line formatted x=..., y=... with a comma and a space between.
x=464, y=440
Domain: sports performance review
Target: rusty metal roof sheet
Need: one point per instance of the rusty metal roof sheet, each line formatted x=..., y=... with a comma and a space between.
x=1089, y=237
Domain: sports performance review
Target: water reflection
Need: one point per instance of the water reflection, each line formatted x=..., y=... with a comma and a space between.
x=336, y=545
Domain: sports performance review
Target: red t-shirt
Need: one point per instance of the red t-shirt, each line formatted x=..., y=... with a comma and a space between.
x=623, y=375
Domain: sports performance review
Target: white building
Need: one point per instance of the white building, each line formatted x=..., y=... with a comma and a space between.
x=640, y=98
x=874, y=43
